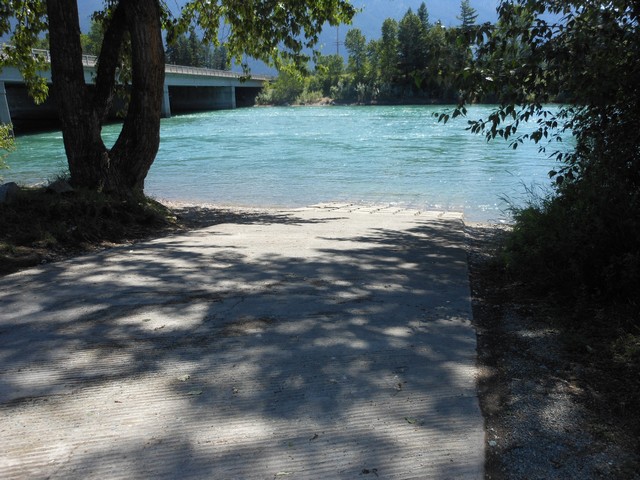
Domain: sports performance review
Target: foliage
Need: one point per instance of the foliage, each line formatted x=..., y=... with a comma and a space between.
x=6, y=143
x=42, y=43
x=277, y=33
x=92, y=41
x=411, y=50
x=584, y=240
x=285, y=90
x=310, y=97
x=356, y=44
x=423, y=15
x=25, y=19
x=329, y=69
x=388, y=52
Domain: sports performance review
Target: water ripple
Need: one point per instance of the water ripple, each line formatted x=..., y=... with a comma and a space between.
x=303, y=155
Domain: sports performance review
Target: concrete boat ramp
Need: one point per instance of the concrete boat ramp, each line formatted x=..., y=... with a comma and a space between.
x=331, y=342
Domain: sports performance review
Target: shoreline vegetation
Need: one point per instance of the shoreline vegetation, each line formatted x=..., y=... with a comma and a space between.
x=321, y=101
x=414, y=60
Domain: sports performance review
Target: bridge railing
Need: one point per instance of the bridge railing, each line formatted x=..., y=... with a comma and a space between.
x=45, y=55
x=91, y=61
x=210, y=72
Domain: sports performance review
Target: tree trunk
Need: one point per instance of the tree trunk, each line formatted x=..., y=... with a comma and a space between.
x=86, y=153
x=122, y=169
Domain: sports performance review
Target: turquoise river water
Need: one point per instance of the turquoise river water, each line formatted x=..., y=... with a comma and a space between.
x=299, y=156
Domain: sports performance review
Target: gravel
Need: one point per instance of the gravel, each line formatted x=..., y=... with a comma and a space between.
x=537, y=405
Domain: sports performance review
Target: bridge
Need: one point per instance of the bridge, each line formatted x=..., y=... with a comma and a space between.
x=186, y=89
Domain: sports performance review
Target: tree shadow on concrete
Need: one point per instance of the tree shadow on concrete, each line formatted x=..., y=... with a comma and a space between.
x=198, y=216
x=194, y=357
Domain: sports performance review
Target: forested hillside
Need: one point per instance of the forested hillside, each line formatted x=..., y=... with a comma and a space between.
x=414, y=59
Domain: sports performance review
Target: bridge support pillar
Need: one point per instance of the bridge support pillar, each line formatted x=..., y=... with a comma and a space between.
x=5, y=114
x=221, y=97
x=166, y=103
x=233, y=97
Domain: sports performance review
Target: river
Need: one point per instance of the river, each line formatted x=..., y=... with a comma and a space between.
x=298, y=156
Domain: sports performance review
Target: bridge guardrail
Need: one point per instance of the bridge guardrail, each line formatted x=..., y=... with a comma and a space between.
x=91, y=61
x=209, y=72
x=42, y=54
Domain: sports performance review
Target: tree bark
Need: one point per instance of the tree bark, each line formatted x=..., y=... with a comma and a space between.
x=83, y=109
x=137, y=146
x=86, y=153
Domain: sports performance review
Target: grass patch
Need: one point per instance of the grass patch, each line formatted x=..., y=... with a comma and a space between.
x=39, y=226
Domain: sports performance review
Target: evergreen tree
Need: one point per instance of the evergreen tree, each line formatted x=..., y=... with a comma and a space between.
x=218, y=58
x=195, y=51
x=373, y=64
x=423, y=15
x=468, y=14
x=177, y=52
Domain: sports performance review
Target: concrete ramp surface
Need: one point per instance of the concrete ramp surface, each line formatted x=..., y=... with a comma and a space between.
x=330, y=342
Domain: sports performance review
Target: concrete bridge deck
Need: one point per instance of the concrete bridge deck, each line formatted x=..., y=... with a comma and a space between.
x=185, y=89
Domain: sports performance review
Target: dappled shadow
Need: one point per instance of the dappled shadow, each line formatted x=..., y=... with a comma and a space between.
x=258, y=348
x=198, y=216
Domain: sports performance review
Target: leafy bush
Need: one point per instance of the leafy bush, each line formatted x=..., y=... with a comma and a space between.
x=577, y=247
x=284, y=90
x=309, y=97
x=584, y=240
x=6, y=143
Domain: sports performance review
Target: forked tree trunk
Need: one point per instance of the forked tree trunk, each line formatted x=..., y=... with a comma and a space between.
x=83, y=109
